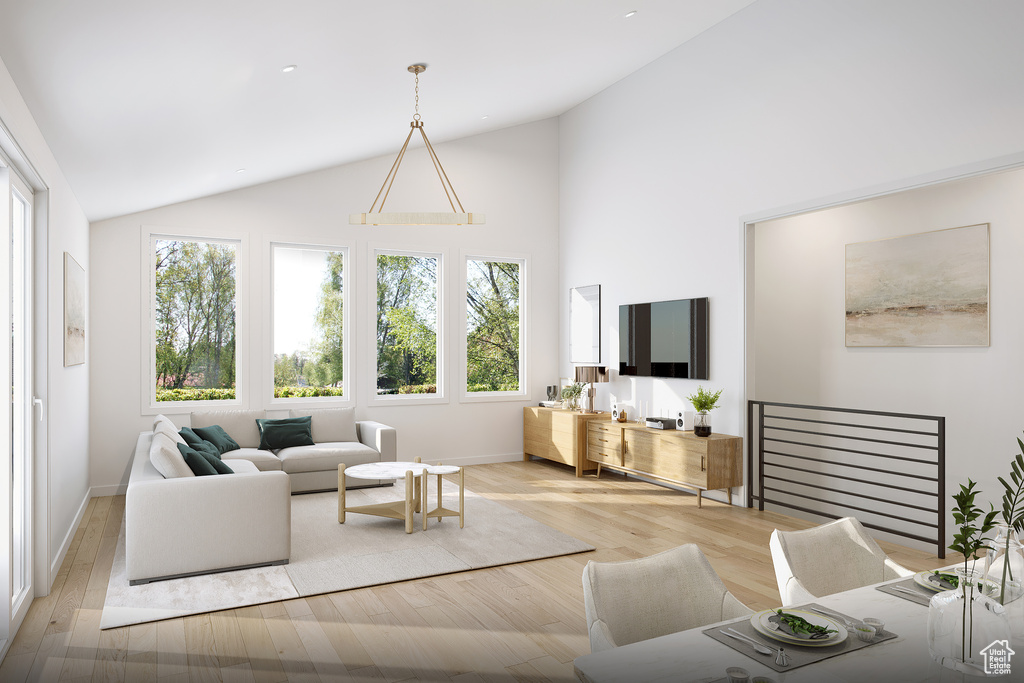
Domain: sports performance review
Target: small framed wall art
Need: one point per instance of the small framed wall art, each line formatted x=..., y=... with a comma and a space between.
x=74, y=312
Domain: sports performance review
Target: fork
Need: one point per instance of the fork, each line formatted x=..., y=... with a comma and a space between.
x=836, y=615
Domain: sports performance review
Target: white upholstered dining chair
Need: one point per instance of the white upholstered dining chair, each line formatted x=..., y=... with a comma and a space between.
x=827, y=559
x=652, y=596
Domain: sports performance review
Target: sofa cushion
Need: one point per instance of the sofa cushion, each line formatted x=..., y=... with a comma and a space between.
x=169, y=431
x=163, y=419
x=166, y=458
x=331, y=425
x=216, y=435
x=240, y=424
x=265, y=461
x=285, y=433
x=200, y=463
x=326, y=456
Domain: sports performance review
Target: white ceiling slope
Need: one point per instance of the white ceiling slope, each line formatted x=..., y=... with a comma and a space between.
x=147, y=103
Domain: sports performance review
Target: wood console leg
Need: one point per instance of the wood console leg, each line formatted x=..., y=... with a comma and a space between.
x=699, y=499
x=410, y=495
x=341, y=493
x=598, y=470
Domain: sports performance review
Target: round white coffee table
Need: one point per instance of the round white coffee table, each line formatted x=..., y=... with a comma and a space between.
x=384, y=470
x=415, y=494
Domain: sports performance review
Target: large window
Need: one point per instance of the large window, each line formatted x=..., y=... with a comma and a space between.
x=309, y=322
x=493, y=325
x=407, y=324
x=194, y=319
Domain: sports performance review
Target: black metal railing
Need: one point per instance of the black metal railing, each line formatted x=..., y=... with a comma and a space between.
x=889, y=469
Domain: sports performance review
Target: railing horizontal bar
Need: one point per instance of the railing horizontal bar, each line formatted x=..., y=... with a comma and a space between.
x=870, y=526
x=849, y=424
x=859, y=481
x=824, y=447
x=857, y=467
x=910, y=416
x=855, y=438
x=852, y=507
x=856, y=495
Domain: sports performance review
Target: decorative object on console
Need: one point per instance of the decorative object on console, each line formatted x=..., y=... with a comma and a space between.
x=585, y=325
x=928, y=289
x=703, y=402
x=552, y=392
x=456, y=217
x=618, y=413
x=664, y=339
x=590, y=374
x=571, y=395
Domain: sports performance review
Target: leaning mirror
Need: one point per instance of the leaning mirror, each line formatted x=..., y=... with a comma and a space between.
x=585, y=321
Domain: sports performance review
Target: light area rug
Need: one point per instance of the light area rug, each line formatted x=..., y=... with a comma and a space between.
x=328, y=557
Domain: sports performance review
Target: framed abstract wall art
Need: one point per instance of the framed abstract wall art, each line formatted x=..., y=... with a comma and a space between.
x=74, y=312
x=928, y=289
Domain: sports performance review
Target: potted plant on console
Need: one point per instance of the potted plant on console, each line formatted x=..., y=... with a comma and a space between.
x=703, y=402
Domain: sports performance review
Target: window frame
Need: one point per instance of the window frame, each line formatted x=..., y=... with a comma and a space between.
x=373, y=398
x=466, y=396
x=150, y=235
x=348, y=384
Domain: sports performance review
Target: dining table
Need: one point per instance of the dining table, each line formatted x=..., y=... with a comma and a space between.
x=693, y=656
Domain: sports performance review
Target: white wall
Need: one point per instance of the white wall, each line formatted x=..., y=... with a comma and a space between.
x=62, y=469
x=784, y=103
x=510, y=175
x=799, y=323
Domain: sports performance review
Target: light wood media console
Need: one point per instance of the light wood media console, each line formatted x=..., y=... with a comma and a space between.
x=676, y=457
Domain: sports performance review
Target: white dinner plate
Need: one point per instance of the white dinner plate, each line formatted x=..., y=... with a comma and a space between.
x=923, y=579
x=761, y=623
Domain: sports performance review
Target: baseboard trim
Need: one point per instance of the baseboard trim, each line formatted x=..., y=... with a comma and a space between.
x=58, y=560
x=113, y=490
x=479, y=459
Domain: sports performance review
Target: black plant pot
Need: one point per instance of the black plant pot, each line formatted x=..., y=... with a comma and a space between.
x=702, y=426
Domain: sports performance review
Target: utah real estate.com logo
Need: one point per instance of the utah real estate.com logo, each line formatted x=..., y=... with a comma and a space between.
x=997, y=658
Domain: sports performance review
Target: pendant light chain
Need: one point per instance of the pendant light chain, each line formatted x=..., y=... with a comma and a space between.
x=416, y=116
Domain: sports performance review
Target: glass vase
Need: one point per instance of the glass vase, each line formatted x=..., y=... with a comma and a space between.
x=1004, y=568
x=963, y=623
x=702, y=425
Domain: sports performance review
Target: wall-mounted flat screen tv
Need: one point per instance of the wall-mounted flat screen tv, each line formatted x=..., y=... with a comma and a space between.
x=664, y=339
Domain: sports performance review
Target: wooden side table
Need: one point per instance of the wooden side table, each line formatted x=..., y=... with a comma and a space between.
x=440, y=511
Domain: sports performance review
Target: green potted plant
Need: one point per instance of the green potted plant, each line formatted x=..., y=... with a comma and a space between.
x=703, y=402
x=571, y=395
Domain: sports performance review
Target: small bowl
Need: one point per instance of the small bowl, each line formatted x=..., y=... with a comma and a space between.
x=865, y=632
x=877, y=624
x=737, y=675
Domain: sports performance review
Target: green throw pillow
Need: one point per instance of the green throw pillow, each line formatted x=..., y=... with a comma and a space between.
x=285, y=433
x=197, y=443
x=201, y=463
x=216, y=435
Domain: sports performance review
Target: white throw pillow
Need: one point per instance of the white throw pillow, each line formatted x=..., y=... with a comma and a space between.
x=166, y=457
x=331, y=425
x=170, y=431
x=163, y=420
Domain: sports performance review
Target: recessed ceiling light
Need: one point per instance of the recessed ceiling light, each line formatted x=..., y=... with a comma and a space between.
x=239, y=170
x=289, y=68
x=629, y=14
x=484, y=117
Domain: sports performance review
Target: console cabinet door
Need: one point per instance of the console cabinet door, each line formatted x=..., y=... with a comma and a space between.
x=667, y=455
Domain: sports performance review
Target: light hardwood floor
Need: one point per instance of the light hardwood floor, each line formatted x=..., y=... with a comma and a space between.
x=520, y=622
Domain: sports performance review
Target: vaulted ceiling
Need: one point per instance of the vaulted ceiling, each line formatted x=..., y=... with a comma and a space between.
x=148, y=103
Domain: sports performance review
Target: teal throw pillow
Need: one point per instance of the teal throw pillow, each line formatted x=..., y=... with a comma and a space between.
x=196, y=443
x=201, y=463
x=285, y=433
x=216, y=435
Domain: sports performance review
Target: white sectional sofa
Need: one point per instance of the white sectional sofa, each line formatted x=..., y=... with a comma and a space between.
x=178, y=524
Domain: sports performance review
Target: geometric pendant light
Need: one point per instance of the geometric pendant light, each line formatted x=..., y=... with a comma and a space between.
x=457, y=216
